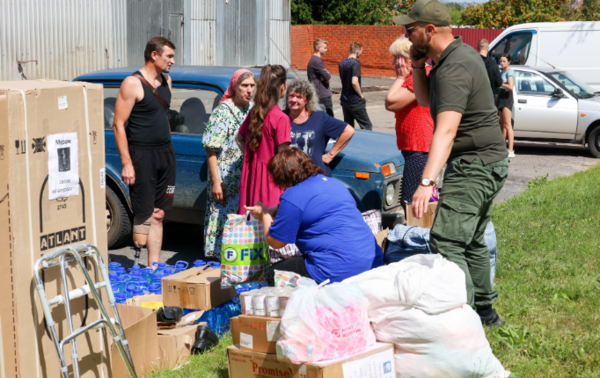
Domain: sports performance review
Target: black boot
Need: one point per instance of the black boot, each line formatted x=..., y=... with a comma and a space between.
x=489, y=317
x=205, y=339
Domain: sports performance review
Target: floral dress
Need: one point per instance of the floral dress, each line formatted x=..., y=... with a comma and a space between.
x=220, y=137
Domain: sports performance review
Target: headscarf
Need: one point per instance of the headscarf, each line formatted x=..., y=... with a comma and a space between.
x=233, y=84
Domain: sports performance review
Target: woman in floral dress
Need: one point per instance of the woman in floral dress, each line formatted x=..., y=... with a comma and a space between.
x=225, y=159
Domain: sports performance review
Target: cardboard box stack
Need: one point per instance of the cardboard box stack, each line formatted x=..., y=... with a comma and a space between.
x=51, y=195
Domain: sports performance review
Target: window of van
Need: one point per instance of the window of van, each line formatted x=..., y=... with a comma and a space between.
x=517, y=44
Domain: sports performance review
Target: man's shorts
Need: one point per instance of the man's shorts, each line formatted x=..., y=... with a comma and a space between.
x=154, y=186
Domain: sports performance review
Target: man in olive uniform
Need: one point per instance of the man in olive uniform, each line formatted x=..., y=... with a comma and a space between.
x=467, y=136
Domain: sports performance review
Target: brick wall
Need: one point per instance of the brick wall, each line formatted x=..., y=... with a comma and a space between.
x=376, y=59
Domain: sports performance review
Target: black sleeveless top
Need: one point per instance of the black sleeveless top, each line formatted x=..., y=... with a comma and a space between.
x=148, y=122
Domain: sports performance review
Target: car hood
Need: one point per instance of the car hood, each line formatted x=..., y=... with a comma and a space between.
x=367, y=151
x=590, y=104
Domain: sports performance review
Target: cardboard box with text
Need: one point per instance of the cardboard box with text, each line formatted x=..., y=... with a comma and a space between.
x=196, y=289
x=256, y=333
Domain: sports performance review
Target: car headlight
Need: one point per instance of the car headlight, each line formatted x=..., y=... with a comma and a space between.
x=390, y=191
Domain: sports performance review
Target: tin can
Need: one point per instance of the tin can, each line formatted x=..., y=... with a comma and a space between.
x=272, y=303
x=246, y=303
x=258, y=302
x=284, y=297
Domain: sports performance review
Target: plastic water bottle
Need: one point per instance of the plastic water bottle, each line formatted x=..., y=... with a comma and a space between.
x=147, y=274
x=160, y=267
x=180, y=266
x=112, y=277
x=157, y=278
x=112, y=267
x=135, y=268
x=155, y=288
x=169, y=270
x=199, y=263
x=119, y=284
x=120, y=298
x=138, y=292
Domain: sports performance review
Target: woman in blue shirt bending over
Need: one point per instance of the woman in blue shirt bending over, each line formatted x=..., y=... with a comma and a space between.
x=319, y=215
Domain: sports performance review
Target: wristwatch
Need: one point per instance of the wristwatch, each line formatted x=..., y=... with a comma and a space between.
x=427, y=182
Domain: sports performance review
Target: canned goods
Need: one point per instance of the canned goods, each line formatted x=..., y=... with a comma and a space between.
x=246, y=303
x=284, y=297
x=272, y=303
x=258, y=301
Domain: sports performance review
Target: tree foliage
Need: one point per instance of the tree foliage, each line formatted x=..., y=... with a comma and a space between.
x=348, y=12
x=505, y=13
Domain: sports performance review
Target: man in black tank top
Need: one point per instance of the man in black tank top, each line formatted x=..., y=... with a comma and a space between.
x=145, y=147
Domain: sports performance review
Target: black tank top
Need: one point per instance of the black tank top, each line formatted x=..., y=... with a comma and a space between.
x=148, y=122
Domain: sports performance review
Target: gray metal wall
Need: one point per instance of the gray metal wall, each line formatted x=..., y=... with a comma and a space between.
x=67, y=38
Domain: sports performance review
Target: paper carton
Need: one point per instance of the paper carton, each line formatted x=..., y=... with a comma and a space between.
x=51, y=194
x=426, y=221
x=196, y=289
x=256, y=333
x=377, y=361
x=175, y=345
x=140, y=330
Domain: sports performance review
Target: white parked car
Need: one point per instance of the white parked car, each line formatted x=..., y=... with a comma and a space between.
x=571, y=46
x=554, y=105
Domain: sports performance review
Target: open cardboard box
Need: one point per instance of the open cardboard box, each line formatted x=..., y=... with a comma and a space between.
x=256, y=333
x=196, y=289
x=426, y=221
x=376, y=361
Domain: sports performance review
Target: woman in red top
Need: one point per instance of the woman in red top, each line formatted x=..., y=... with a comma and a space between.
x=263, y=133
x=414, y=126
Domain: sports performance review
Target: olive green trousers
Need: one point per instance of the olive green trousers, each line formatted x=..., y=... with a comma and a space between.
x=463, y=212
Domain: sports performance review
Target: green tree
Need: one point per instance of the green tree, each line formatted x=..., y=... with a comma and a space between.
x=348, y=12
x=505, y=13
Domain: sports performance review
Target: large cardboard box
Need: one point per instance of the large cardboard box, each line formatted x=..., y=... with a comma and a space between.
x=51, y=195
x=426, y=221
x=175, y=345
x=139, y=324
x=256, y=333
x=196, y=289
x=377, y=361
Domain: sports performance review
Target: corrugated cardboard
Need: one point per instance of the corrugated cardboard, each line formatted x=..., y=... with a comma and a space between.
x=140, y=329
x=377, y=361
x=32, y=224
x=175, y=345
x=256, y=333
x=157, y=298
x=426, y=221
x=381, y=238
x=196, y=289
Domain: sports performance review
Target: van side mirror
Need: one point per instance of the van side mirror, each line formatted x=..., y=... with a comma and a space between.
x=558, y=93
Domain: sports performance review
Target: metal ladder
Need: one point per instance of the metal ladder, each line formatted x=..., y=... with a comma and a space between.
x=61, y=257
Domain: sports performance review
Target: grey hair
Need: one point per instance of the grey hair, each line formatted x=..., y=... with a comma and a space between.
x=305, y=88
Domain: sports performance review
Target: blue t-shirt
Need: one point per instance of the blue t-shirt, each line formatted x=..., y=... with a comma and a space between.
x=349, y=68
x=320, y=216
x=313, y=135
x=505, y=75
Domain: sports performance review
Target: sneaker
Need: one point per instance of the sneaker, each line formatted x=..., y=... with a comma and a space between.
x=490, y=318
x=511, y=154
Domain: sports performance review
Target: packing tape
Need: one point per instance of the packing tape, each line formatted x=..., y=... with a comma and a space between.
x=184, y=294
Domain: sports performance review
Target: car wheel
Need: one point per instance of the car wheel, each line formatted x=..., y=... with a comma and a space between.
x=594, y=142
x=118, y=223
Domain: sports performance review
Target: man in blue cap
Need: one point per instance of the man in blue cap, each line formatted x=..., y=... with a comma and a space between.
x=466, y=137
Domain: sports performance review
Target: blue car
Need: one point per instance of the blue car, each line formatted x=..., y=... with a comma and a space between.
x=370, y=166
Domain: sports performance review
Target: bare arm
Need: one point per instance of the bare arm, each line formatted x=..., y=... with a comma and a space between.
x=441, y=145
x=262, y=214
x=398, y=97
x=218, y=191
x=339, y=145
x=126, y=99
x=509, y=85
x=356, y=86
x=421, y=86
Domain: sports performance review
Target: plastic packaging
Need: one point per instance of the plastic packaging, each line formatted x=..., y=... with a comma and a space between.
x=147, y=274
x=160, y=267
x=217, y=318
x=120, y=298
x=112, y=267
x=246, y=303
x=272, y=304
x=180, y=266
x=324, y=323
x=155, y=288
x=286, y=279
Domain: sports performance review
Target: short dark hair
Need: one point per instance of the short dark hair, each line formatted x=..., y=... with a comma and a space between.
x=507, y=56
x=291, y=166
x=157, y=44
x=355, y=46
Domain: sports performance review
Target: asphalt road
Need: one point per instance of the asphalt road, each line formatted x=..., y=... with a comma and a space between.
x=533, y=159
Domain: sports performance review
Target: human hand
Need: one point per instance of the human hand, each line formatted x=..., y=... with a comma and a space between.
x=257, y=211
x=402, y=67
x=128, y=174
x=420, y=201
x=418, y=58
x=327, y=158
x=218, y=191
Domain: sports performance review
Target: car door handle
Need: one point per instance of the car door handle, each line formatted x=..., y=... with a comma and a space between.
x=522, y=101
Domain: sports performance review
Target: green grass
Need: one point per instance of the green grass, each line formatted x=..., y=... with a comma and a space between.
x=547, y=277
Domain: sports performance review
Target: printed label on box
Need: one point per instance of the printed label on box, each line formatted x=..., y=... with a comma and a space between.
x=102, y=178
x=380, y=365
x=273, y=330
x=246, y=340
x=302, y=372
x=63, y=165
x=62, y=103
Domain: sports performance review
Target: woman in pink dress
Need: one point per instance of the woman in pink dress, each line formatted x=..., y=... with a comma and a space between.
x=265, y=132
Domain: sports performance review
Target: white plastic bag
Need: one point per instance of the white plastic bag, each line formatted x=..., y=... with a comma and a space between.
x=324, y=323
x=419, y=304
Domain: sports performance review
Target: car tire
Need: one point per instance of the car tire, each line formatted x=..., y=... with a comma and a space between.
x=118, y=223
x=594, y=141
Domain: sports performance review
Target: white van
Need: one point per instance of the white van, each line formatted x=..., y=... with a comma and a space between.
x=571, y=46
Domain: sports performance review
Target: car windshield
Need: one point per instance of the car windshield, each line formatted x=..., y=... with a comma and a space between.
x=572, y=84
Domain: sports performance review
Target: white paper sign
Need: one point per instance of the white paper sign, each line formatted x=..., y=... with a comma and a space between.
x=63, y=165
x=102, y=177
x=273, y=330
x=62, y=103
x=380, y=365
x=246, y=340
